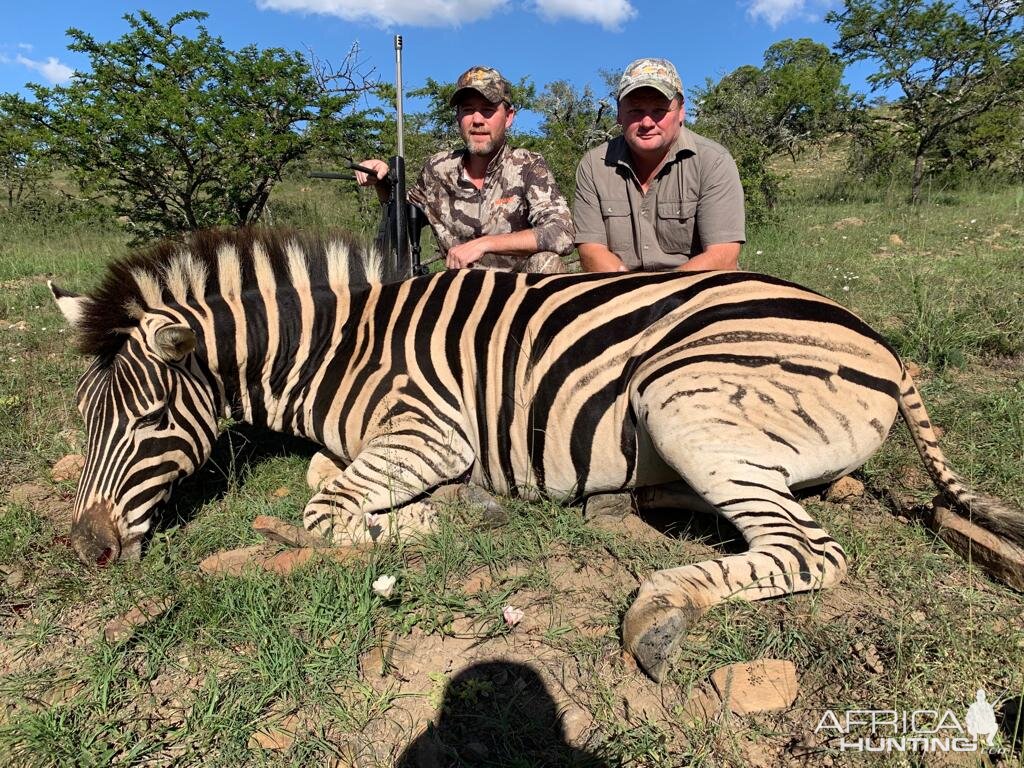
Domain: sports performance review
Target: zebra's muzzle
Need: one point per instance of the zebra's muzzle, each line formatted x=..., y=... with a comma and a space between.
x=94, y=536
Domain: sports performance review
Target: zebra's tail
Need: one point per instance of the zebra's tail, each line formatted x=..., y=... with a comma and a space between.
x=997, y=516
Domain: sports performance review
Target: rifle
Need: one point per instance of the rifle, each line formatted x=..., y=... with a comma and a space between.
x=402, y=222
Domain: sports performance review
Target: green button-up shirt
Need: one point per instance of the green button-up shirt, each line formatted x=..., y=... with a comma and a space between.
x=695, y=200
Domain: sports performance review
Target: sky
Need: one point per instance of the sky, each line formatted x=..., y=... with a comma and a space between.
x=543, y=40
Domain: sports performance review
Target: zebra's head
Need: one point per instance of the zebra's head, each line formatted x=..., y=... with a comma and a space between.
x=150, y=419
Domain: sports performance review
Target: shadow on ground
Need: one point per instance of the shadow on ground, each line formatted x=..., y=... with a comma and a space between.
x=496, y=713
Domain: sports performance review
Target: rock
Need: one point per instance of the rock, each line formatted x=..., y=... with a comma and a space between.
x=68, y=468
x=26, y=493
x=614, y=505
x=14, y=576
x=765, y=685
x=123, y=627
x=21, y=325
x=1000, y=559
x=233, y=561
x=285, y=533
x=280, y=493
x=845, y=489
x=849, y=221
x=576, y=721
x=276, y=737
x=703, y=704
x=477, y=582
x=895, y=239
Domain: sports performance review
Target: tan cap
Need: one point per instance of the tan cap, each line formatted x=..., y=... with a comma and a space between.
x=486, y=81
x=659, y=74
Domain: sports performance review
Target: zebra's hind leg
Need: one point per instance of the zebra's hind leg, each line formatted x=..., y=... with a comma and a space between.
x=789, y=552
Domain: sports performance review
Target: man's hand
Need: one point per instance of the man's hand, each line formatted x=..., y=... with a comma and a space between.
x=379, y=167
x=461, y=256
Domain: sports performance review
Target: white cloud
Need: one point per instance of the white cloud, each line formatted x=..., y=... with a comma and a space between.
x=775, y=11
x=51, y=69
x=610, y=14
x=388, y=13
x=25, y=46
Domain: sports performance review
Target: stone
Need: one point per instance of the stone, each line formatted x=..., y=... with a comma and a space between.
x=765, y=685
x=68, y=468
x=26, y=493
x=120, y=629
x=576, y=721
x=849, y=221
x=614, y=505
x=276, y=737
x=280, y=493
x=703, y=704
x=14, y=576
x=895, y=239
x=1001, y=559
x=845, y=489
x=285, y=533
x=232, y=561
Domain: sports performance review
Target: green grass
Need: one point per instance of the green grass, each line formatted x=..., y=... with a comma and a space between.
x=239, y=655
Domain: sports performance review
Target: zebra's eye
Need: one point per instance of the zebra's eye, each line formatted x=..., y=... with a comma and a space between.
x=151, y=419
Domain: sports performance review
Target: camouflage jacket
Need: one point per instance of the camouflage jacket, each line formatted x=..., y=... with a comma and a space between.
x=519, y=193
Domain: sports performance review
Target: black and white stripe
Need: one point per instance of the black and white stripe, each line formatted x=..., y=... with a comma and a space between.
x=743, y=386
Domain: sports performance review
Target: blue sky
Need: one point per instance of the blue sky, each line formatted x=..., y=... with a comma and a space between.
x=544, y=40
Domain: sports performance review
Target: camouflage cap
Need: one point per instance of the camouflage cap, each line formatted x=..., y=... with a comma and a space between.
x=659, y=74
x=486, y=81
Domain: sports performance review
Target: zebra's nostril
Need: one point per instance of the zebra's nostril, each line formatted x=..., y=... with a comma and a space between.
x=105, y=557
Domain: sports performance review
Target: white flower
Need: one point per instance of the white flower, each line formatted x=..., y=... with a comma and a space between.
x=974, y=221
x=846, y=287
x=512, y=615
x=384, y=586
x=759, y=253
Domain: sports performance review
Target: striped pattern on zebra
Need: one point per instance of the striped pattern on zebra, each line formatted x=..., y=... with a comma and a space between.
x=744, y=386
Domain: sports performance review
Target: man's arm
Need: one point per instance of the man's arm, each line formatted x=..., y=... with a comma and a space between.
x=379, y=182
x=720, y=217
x=595, y=257
x=522, y=243
x=591, y=236
x=549, y=213
x=715, y=256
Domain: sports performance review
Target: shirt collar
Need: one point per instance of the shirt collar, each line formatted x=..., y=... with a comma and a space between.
x=618, y=151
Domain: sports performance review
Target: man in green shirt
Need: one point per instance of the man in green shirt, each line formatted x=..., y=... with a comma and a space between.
x=659, y=196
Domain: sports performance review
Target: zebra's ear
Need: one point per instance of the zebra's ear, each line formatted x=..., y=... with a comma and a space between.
x=71, y=305
x=174, y=342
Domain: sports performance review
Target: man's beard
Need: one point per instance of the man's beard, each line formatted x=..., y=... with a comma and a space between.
x=487, y=148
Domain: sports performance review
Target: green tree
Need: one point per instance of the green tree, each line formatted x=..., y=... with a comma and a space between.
x=574, y=121
x=952, y=62
x=24, y=152
x=808, y=100
x=181, y=132
x=795, y=100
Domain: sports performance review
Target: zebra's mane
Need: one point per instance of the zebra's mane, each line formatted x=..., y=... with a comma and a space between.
x=220, y=261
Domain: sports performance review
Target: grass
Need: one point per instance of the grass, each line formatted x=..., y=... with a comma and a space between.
x=296, y=659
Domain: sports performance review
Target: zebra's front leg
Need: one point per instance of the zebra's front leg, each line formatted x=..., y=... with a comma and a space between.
x=789, y=552
x=368, y=499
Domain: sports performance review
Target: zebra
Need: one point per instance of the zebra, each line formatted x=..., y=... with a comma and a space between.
x=743, y=387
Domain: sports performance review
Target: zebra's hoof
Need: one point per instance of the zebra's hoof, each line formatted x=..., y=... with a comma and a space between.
x=653, y=628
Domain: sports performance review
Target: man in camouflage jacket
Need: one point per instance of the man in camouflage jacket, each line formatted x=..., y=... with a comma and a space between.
x=491, y=206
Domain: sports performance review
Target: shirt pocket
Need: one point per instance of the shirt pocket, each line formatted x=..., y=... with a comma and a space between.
x=675, y=224
x=618, y=225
